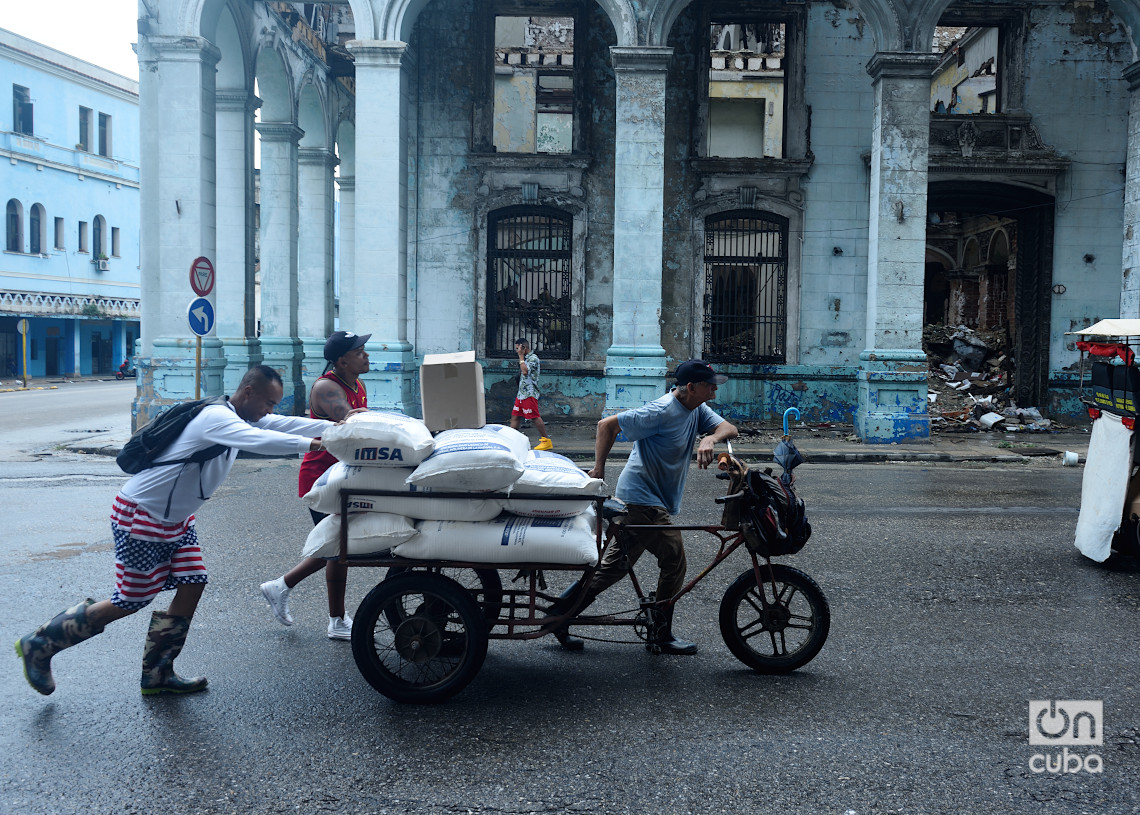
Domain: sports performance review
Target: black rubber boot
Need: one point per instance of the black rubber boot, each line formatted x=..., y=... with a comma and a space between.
x=64, y=630
x=667, y=643
x=164, y=643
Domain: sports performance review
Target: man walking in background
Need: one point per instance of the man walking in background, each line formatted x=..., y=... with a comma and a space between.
x=526, y=402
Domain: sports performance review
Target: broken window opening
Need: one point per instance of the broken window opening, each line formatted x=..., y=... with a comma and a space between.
x=15, y=226
x=105, y=135
x=529, y=254
x=746, y=98
x=533, y=65
x=22, y=111
x=84, y=142
x=746, y=281
x=966, y=80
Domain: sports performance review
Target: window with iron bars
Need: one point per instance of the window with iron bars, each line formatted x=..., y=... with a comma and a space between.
x=529, y=257
x=746, y=287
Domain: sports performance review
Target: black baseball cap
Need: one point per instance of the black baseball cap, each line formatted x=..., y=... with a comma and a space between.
x=697, y=370
x=340, y=343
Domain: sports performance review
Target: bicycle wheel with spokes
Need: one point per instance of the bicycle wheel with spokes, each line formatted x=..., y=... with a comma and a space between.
x=419, y=637
x=778, y=626
x=484, y=585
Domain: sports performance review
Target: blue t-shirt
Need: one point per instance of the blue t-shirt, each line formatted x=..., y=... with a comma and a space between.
x=663, y=433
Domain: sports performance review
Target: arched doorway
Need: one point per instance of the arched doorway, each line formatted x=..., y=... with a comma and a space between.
x=1017, y=294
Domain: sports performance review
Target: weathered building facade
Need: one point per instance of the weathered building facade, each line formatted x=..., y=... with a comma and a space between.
x=69, y=180
x=789, y=189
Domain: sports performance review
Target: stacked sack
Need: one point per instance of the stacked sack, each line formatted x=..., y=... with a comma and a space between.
x=377, y=450
x=529, y=531
x=392, y=452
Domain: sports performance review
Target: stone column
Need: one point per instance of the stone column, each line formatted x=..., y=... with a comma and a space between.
x=892, y=375
x=380, y=296
x=178, y=219
x=315, y=258
x=280, y=346
x=635, y=361
x=347, y=250
x=234, y=265
x=1130, y=285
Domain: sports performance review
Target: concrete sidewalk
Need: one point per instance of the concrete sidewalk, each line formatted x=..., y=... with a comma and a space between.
x=827, y=443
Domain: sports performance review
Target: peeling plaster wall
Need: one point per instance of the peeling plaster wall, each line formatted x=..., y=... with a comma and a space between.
x=833, y=295
x=446, y=41
x=1076, y=54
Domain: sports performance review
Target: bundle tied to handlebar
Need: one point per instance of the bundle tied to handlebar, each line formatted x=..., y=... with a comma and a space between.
x=773, y=520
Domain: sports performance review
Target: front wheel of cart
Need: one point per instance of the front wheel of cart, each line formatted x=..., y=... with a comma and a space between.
x=778, y=626
x=419, y=637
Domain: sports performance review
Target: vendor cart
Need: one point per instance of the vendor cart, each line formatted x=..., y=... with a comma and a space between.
x=1110, y=388
x=421, y=634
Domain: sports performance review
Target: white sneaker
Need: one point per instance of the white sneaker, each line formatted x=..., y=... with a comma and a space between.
x=340, y=628
x=276, y=593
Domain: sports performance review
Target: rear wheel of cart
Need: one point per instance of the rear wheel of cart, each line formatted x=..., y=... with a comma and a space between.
x=484, y=585
x=419, y=637
x=778, y=626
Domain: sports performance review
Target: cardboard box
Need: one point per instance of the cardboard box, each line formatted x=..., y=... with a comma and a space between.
x=451, y=390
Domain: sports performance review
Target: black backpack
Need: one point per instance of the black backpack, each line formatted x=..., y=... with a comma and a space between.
x=152, y=439
x=773, y=519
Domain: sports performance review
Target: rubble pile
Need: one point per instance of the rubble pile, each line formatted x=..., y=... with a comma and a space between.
x=969, y=382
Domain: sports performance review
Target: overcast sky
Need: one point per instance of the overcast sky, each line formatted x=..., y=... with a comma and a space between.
x=99, y=31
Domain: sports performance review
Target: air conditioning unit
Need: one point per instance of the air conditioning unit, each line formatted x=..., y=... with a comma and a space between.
x=104, y=265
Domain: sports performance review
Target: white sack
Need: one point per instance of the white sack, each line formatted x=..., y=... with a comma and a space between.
x=507, y=539
x=1107, y=468
x=547, y=473
x=325, y=495
x=379, y=438
x=368, y=532
x=483, y=459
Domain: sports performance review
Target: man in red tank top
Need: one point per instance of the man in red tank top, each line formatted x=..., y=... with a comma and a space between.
x=338, y=392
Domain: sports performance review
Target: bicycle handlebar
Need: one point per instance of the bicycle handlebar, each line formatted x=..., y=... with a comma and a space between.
x=728, y=498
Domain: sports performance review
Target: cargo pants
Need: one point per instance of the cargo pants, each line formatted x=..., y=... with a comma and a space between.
x=666, y=545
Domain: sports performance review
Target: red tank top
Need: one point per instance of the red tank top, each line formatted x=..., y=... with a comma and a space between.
x=314, y=464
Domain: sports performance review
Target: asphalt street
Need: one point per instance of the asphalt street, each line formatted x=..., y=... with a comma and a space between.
x=956, y=597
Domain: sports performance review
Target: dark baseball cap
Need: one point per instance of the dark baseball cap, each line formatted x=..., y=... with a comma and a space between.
x=340, y=343
x=697, y=370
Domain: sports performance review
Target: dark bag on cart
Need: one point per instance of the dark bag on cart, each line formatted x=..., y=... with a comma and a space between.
x=773, y=519
x=151, y=440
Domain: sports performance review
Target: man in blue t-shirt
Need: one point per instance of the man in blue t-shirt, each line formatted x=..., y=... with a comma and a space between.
x=653, y=482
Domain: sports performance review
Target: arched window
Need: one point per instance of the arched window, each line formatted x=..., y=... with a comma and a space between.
x=746, y=287
x=15, y=222
x=98, y=237
x=37, y=224
x=529, y=254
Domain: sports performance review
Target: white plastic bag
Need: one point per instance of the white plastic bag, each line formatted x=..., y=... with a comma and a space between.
x=325, y=495
x=481, y=459
x=368, y=532
x=379, y=438
x=547, y=473
x=507, y=539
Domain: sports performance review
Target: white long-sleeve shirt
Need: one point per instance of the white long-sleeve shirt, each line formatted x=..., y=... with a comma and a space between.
x=185, y=486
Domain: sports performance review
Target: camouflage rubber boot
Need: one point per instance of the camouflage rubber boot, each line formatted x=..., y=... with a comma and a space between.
x=164, y=643
x=64, y=630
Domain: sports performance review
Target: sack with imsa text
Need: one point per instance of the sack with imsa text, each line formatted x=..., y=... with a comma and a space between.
x=507, y=539
x=547, y=473
x=368, y=532
x=325, y=495
x=482, y=459
x=379, y=438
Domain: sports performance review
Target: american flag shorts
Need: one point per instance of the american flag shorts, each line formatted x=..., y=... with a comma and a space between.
x=151, y=555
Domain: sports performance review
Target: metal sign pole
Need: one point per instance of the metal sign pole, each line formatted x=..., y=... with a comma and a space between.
x=24, y=336
x=198, y=370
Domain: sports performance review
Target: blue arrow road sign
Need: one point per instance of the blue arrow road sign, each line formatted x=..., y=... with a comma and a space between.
x=201, y=315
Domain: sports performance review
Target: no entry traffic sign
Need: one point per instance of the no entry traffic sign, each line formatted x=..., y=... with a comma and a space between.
x=202, y=276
